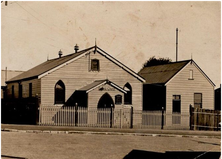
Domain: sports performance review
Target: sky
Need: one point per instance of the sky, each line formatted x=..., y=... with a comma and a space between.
x=132, y=32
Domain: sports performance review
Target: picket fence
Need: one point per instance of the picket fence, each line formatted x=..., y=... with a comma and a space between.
x=99, y=117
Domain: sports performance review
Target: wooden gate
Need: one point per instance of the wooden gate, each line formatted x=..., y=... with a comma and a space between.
x=205, y=119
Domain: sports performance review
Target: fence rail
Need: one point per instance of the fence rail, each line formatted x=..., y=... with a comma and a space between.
x=99, y=117
x=204, y=119
x=85, y=117
x=127, y=117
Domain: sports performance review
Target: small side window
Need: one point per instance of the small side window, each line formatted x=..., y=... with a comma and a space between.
x=13, y=91
x=20, y=90
x=30, y=90
x=176, y=104
x=94, y=65
x=191, y=75
x=118, y=99
x=197, y=100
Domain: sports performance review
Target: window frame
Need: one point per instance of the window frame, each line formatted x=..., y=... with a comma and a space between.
x=128, y=95
x=97, y=65
x=30, y=90
x=118, y=99
x=20, y=90
x=59, y=100
x=201, y=102
x=191, y=75
x=13, y=91
x=175, y=102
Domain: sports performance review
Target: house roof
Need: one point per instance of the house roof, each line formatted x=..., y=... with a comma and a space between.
x=99, y=83
x=53, y=64
x=46, y=66
x=161, y=74
x=8, y=74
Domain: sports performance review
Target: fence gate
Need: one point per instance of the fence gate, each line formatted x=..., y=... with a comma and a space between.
x=203, y=119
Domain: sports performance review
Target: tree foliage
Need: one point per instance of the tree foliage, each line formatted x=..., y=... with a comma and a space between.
x=153, y=61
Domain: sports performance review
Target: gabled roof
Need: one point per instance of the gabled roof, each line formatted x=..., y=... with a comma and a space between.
x=93, y=85
x=161, y=74
x=99, y=83
x=46, y=66
x=52, y=65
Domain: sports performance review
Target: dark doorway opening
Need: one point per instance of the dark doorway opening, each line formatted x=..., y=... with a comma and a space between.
x=106, y=101
x=105, y=111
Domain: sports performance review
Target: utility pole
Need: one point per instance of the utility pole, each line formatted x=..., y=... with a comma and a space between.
x=176, y=44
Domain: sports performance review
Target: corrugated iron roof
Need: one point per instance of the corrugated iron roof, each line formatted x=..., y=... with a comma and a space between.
x=161, y=74
x=46, y=66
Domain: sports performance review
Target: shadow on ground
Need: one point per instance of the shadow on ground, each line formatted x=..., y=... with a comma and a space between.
x=6, y=157
x=140, y=154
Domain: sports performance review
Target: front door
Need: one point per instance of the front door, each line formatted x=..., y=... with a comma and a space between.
x=106, y=101
x=105, y=111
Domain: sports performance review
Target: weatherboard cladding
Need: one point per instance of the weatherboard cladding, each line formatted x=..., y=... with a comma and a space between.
x=161, y=74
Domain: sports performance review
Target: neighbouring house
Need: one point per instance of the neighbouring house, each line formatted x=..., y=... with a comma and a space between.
x=218, y=99
x=176, y=86
x=7, y=75
x=91, y=78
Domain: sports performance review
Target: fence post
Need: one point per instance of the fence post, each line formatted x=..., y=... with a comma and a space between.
x=76, y=114
x=131, y=114
x=120, y=118
x=190, y=117
x=111, y=116
x=162, y=122
x=40, y=111
x=217, y=120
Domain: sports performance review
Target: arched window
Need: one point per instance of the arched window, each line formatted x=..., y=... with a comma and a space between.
x=128, y=95
x=59, y=92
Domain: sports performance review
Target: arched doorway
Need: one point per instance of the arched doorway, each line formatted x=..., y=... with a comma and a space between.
x=105, y=111
x=105, y=101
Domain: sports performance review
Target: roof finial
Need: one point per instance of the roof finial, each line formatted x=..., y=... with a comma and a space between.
x=76, y=48
x=95, y=47
x=48, y=57
x=60, y=53
x=191, y=56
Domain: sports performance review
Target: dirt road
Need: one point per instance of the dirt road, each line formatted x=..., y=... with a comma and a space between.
x=79, y=146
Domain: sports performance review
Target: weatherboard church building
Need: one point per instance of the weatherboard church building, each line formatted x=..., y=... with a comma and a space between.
x=94, y=79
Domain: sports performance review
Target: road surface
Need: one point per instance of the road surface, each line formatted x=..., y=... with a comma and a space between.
x=99, y=146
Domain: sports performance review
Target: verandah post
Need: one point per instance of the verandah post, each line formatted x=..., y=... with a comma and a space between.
x=76, y=114
x=162, y=122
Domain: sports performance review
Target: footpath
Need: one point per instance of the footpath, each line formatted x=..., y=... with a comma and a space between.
x=109, y=131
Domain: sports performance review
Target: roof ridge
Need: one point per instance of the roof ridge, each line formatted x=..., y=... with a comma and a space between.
x=72, y=53
x=170, y=63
